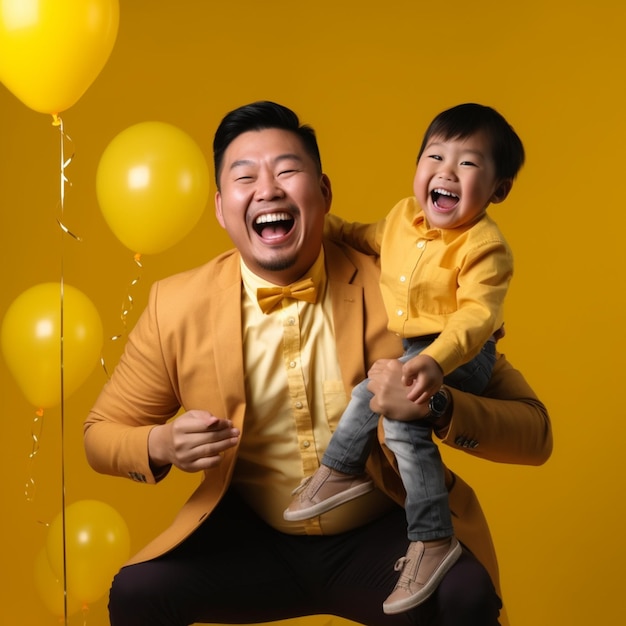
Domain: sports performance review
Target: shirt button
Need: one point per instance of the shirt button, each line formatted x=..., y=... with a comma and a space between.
x=421, y=244
x=399, y=312
x=299, y=405
x=306, y=444
x=402, y=279
x=291, y=321
x=292, y=364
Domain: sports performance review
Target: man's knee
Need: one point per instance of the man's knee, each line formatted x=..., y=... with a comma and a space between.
x=124, y=595
x=467, y=596
x=135, y=598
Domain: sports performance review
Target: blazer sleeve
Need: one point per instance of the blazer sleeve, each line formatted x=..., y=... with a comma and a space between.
x=140, y=394
x=507, y=424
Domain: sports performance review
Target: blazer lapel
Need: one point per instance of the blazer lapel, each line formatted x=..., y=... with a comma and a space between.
x=348, y=307
x=226, y=331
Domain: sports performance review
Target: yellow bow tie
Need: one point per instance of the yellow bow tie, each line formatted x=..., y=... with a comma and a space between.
x=270, y=297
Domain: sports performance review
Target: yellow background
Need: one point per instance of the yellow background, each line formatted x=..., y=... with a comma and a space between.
x=368, y=76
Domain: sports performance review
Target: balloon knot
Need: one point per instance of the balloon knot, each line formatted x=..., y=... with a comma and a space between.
x=39, y=412
x=56, y=120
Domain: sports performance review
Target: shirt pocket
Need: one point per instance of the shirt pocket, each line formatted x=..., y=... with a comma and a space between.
x=436, y=291
x=335, y=401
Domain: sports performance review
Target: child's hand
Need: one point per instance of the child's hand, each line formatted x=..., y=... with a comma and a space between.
x=423, y=374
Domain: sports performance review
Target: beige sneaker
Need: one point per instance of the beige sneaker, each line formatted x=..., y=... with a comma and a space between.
x=421, y=570
x=323, y=491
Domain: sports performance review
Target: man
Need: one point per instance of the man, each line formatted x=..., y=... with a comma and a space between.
x=261, y=347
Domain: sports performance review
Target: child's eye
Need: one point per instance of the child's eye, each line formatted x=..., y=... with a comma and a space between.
x=470, y=163
x=436, y=157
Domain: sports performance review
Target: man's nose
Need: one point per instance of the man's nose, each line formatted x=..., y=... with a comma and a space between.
x=268, y=187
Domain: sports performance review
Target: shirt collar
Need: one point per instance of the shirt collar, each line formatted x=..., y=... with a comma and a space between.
x=252, y=282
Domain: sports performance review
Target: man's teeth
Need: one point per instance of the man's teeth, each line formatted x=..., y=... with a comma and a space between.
x=268, y=218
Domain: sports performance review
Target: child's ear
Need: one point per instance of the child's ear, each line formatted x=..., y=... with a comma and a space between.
x=502, y=191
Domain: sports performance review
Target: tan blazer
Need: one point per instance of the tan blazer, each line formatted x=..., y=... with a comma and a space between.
x=186, y=350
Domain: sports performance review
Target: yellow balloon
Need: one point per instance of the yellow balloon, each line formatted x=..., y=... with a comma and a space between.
x=152, y=185
x=97, y=543
x=31, y=341
x=52, y=50
x=50, y=588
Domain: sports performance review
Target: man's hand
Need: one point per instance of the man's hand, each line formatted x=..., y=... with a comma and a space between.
x=390, y=396
x=424, y=377
x=192, y=442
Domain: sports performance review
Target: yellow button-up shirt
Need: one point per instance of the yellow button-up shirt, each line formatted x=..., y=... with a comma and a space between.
x=295, y=397
x=446, y=282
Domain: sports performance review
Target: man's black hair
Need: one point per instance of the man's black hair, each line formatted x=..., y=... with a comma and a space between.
x=259, y=116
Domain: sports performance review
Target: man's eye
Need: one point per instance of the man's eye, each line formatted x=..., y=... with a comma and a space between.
x=284, y=172
x=243, y=178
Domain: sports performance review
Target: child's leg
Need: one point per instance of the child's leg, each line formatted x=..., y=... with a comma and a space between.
x=474, y=375
x=433, y=548
x=421, y=470
x=351, y=443
x=341, y=477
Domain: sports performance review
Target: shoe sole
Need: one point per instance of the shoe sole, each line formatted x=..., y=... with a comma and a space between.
x=329, y=504
x=402, y=606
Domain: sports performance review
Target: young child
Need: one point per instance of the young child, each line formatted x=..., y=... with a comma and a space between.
x=445, y=271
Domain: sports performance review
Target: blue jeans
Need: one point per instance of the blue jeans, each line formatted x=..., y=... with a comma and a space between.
x=419, y=462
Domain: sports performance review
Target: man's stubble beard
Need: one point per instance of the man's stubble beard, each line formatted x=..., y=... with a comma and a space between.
x=278, y=265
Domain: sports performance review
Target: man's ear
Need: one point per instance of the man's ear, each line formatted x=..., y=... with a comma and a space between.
x=327, y=191
x=218, y=209
x=502, y=191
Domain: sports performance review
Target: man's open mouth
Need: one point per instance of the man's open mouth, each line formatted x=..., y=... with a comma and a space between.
x=444, y=199
x=272, y=225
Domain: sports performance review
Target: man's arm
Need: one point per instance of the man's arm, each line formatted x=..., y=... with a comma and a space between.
x=130, y=431
x=507, y=424
x=139, y=396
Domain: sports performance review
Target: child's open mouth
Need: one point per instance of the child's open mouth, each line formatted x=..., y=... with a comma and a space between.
x=443, y=199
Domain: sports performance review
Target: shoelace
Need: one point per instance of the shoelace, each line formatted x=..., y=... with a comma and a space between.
x=302, y=486
x=403, y=581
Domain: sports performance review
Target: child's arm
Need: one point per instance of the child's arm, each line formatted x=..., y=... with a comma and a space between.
x=482, y=281
x=365, y=238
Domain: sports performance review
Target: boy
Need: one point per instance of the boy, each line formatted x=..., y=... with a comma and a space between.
x=445, y=271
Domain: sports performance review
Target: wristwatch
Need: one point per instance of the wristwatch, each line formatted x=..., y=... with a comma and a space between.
x=438, y=404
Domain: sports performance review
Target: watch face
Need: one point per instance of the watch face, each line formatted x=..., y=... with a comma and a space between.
x=438, y=403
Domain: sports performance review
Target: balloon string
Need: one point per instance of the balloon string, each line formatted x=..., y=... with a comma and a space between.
x=127, y=304
x=85, y=610
x=127, y=307
x=35, y=434
x=65, y=162
x=58, y=122
x=38, y=420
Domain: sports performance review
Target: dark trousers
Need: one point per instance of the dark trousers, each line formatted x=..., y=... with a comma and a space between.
x=237, y=570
